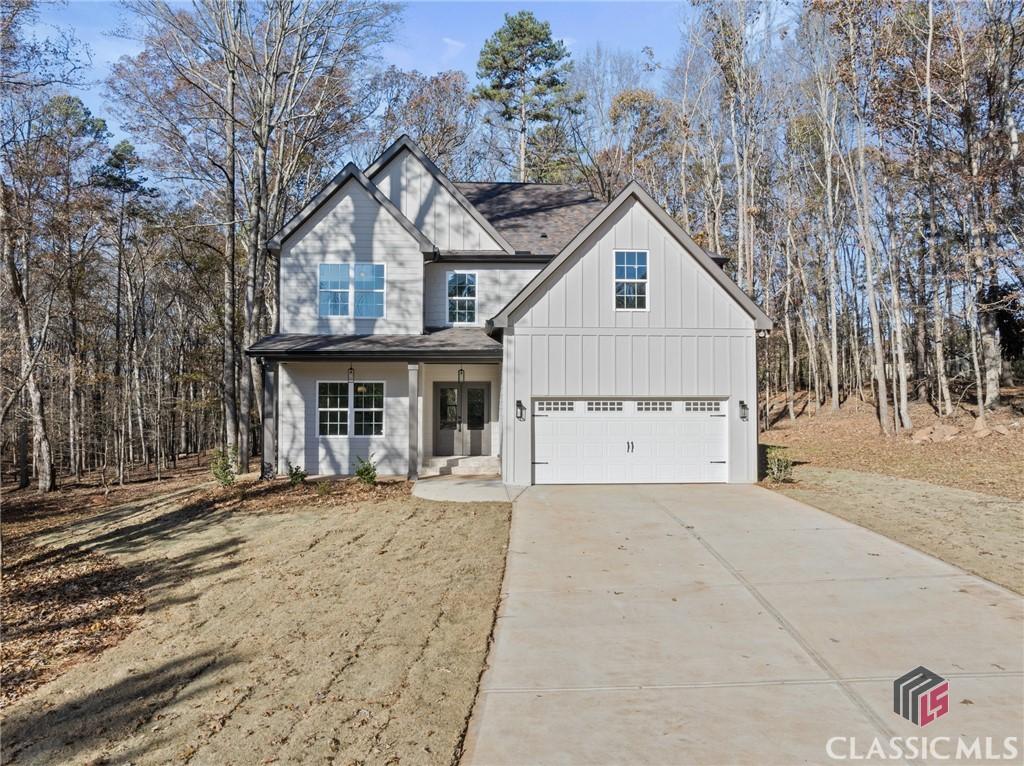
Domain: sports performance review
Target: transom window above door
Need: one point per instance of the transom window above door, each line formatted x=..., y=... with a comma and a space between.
x=631, y=280
x=461, y=297
x=344, y=286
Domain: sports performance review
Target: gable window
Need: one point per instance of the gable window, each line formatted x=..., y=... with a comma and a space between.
x=332, y=408
x=461, y=297
x=630, y=280
x=355, y=409
x=343, y=286
x=369, y=284
x=334, y=289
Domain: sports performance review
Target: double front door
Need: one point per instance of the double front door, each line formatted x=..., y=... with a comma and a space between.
x=462, y=419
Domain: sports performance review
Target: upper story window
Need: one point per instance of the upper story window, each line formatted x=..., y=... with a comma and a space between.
x=334, y=289
x=631, y=280
x=461, y=297
x=343, y=286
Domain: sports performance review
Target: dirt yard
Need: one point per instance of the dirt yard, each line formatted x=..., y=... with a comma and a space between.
x=961, y=500
x=322, y=624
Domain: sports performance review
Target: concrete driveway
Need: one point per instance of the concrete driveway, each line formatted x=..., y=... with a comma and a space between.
x=690, y=624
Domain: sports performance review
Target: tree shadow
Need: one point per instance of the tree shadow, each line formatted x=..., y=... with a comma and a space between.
x=74, y=726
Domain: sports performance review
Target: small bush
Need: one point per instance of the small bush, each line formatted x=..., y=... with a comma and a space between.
x=323, y=488
x=779, y=466
x=222, y=466
x=296, y=475
x=366, y=472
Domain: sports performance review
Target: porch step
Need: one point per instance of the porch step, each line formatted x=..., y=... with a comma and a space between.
x=482, y=465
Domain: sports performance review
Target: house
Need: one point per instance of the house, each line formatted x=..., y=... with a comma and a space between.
x=425, y=321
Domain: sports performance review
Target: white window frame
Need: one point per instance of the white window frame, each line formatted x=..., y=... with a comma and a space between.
x=347, y=409
x=646, y=281
x=350, y=409
x=382, y=409
x=384, y=291
x=351, y=272
x=476, y=298
x=320, y=290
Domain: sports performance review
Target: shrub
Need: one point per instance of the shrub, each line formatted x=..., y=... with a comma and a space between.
x=296, y=475
x=323, y=488
x=222, y=466
x=366, y=472
x=779, y=466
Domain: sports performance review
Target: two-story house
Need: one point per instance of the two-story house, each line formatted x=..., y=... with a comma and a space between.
x=576, y=341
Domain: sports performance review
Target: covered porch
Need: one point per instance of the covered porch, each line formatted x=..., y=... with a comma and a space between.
x=438, y=393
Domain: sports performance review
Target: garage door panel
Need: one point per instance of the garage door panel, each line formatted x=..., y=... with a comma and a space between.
x=630, y=441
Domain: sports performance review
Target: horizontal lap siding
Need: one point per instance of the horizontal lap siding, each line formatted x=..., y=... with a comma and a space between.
x=496, y=285
x=431, y=208
x=352, y=228
x=569, y=340
x=299, y=441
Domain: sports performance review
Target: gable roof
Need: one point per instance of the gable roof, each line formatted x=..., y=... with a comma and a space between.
x=349, y=172
x=404, y=143
x=535, y=218
x=637, y=192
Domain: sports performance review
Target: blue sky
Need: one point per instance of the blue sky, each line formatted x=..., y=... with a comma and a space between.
x=432, y=37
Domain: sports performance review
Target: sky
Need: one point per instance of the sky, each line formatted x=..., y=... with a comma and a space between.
x=432, y=36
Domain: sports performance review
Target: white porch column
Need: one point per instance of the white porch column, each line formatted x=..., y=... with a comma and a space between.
x=414, y=422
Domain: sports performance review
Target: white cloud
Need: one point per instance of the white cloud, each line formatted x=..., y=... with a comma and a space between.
x=452, y=48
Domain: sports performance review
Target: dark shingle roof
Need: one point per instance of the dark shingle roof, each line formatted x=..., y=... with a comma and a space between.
x=448, y=343
x=535, y=218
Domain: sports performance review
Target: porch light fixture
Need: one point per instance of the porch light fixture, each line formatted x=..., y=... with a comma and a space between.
x=351, y=375
x=520, y=410
x=744, y=410
x=462, y=375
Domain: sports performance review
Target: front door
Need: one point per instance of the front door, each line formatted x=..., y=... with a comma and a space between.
x=462, y=423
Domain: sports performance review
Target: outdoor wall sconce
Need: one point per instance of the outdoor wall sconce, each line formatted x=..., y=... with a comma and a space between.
x=520, y=410
x=462, y=375
x=351, y=375
x=744, y=410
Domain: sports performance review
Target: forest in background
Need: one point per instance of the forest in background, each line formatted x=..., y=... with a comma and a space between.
x=858, y=163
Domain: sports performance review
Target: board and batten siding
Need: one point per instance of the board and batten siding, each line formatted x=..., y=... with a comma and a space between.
x=431, y=208
x=496, y=286
x=568, y=340
x=352, y=227
x=299, y=441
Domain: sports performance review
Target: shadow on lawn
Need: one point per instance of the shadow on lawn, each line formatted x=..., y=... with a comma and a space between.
x=74, y=726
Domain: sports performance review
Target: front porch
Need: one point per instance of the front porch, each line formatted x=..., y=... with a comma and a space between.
x=416, y=417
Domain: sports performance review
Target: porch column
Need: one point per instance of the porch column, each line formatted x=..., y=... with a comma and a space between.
x=414, y=421
x=268, y=444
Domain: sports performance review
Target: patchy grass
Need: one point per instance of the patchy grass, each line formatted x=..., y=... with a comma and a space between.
x=851, y=439
x=958, y=500
x=330, y=622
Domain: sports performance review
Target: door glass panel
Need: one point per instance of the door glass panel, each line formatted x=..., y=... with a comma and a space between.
x=475, y=415
x=449, y=407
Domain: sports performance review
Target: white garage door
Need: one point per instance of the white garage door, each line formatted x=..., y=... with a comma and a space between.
x=630, y=441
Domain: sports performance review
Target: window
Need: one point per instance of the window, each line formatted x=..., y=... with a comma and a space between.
x=604, y=406
x=697, y=405
x=653, y=406
x=332, y=408
x=368, y=409
x=553, y=405
x=361, y=404
x=461, y=297
x=369, y=283
x=334, y=289
x=337, y=283
x=630, y=280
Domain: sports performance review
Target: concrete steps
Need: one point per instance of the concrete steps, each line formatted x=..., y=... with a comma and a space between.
x=483, y=465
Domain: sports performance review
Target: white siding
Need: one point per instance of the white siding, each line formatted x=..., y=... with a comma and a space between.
x=299, y=441
x=567, y=339
x=431, y=208
x=351, y=227
x=496, y=286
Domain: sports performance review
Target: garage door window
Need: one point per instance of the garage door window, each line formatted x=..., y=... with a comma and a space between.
x=630, y=280
x=697, y=405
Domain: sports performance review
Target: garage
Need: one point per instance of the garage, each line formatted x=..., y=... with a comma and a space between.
x=630, y=441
